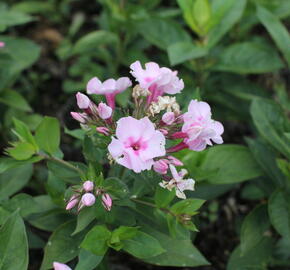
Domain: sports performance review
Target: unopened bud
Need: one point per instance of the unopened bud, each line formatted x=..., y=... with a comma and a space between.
x=163, y=131
x=83, y=101
x=60, y=266
x=73, y=201
x=88, y=186
x=168, y=118
x=107, y=201
x=88, y=199
x=173, y=160
x=104, y=111
x=160, y=166
x=2, y=44
x=80, y=117
x=103, y=130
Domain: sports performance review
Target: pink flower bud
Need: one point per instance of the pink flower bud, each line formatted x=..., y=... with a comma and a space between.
x=83, y=101
x=107, y=201
x=88, y=186
x=72, y=202
x=104, y=111
x=163, y=131
x=173, y=160
x=103, y=130
x=160, y=166
x=168, y=118
x=60, y=266
x=88, y=199
x=2, y=44
x=80, y=117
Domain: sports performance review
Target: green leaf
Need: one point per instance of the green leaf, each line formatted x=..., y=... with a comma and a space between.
x=47, y=135
x=265, y=157
x=143, y=246
x=61, y=246
x=89, y=42
x=12, y=17
x=225, y=14
x=14, y=180
x=163, y=197
x=202, y=14
x=64, y=173
x=251, y=57
x=276, y=30
x=23, y=133
x=14, y=100
x=188, y=206
x=33, y=7
x=179, y=253
x=253, y=228
x=270, y=122
x=162, y=33
x=116, y=187
x=96, y=240
x=17, y=59
x=183, y=51
x=86, y=216
x=231, y=164
x=88, y=261
x=10, y=163
x=257, y=259
x=279, y=213
x=13, y=244
x=21, y=150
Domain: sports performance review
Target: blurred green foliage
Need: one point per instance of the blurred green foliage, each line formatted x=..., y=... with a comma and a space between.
x=233, y=54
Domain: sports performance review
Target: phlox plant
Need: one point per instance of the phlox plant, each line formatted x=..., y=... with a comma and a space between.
x=140, y=176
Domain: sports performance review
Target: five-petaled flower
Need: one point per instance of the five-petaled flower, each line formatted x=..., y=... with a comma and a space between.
x=137, y=143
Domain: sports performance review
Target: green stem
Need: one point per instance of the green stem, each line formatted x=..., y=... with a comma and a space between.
x=153, y=205
x=60, y=161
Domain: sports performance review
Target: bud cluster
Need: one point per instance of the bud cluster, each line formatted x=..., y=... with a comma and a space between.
x=86, y=196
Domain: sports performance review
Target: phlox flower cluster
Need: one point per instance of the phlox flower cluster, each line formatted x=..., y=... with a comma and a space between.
x=138, y=140
x=85, y=196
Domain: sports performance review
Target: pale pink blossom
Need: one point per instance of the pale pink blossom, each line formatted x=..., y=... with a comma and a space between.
x=160, y=166
x=110, y=88
x=168, y=118
x=73, y=201
x=60, y=266
x=88, y=186
x=83, y=101
x=104, y=111
x=103, y=130
x=178, y=182
x=137, y=143
x=80, y=117
x=88, y=199
x=107, y=201
x=199, y=127
x=2, y=44
x=158, y=80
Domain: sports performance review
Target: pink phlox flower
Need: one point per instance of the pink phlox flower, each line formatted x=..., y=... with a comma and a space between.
x=110, y=88
x=199, y=126
x=60, y=266
x=178, y=182
x=137, y=142
x=2, y=44
x=158, y=80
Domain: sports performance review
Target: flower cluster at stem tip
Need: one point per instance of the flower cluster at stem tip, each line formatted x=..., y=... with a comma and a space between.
x=138, y=141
